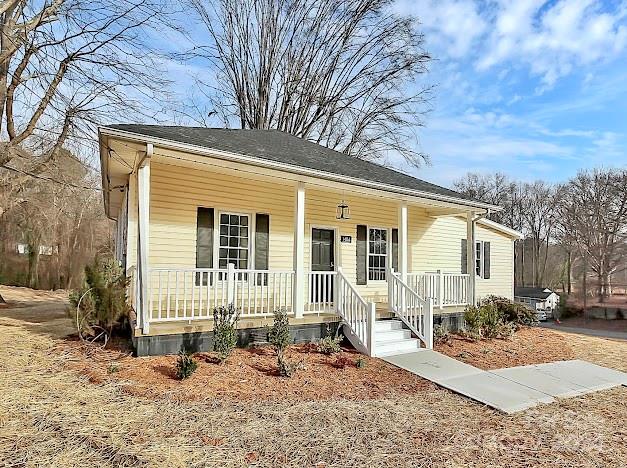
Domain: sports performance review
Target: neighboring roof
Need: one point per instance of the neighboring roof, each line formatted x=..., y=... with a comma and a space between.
x=283, y=148
x=533, y=293
x=501, y=228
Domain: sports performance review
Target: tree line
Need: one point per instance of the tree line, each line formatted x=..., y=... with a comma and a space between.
x=571, y=229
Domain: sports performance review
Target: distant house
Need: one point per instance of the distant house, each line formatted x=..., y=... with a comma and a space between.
x=264, y=220
x=538, y=298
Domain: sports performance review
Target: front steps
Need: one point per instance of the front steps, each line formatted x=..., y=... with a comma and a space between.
x=391, y=338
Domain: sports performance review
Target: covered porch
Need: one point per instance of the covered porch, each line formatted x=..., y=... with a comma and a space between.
x=198, y=234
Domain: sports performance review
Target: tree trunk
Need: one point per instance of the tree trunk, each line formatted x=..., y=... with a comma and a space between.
x=33, y=266
x=569, y=271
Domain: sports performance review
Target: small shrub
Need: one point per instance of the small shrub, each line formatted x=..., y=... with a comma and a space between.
x=287, y=368
x=360, y=363
x=441, y=334
x=491, y=320
x=103, y=305
x=113, y=368
x=342, y=361
x=511, y=311
x=279, y=333
x=279, y=337
x=329, y=345
x=473, y=321
x=186, y=365
x=225, y=331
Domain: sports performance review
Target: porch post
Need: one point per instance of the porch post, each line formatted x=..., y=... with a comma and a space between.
x=299, y=252
x=471, y=257
x=143, y=203
x=402, y=241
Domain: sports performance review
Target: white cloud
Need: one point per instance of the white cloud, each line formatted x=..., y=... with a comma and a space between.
x=553, y=39
x=456, y=23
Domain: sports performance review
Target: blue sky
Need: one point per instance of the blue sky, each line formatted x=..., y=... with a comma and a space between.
x=535, y=89
x=530, y=88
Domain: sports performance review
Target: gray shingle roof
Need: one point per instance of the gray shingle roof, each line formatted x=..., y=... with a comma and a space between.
x=532, y=292
x=277, y=146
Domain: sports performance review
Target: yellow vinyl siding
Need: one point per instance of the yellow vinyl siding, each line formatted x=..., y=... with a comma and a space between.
x=435, y=244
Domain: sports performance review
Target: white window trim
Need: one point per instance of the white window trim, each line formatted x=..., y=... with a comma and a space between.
x=251, y=237
x=479, y=258
x=388, y=244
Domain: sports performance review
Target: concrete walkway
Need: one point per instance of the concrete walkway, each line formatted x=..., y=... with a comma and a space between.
x=511, y=389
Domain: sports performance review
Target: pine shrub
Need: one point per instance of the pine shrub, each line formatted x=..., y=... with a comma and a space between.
x=225, y=331
x=186, y=365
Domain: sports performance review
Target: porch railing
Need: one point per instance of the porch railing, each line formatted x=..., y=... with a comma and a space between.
x=320, y=291
x=415, y=311
x=446, y=289
x=191, y=293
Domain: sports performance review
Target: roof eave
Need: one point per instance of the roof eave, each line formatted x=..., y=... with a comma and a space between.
x=238, y=157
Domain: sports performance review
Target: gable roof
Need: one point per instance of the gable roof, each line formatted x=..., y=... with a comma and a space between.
x=534, y=293
x=280, y=147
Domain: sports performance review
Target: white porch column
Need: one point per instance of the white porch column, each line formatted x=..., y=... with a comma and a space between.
x=298, y=302
x=403, y=250
x=143, y=196
x=471, y=256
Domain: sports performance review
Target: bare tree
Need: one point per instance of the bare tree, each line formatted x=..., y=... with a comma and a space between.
x=66, y=65
x=539, y=214
x=341, y=74
x=594, y=215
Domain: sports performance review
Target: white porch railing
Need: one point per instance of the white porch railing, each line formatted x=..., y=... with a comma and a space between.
x=446, y=289
x=192, y=293
x=357, y=314
x=415, y=312
x=320, y=291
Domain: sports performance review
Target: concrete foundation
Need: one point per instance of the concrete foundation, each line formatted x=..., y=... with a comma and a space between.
x=157, y=345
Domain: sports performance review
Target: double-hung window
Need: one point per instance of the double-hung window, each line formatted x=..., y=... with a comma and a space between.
x=234, y=240
x=479, y=258
x=377, y=253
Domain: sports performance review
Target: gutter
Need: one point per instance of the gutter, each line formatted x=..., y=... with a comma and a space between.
x=235, y=157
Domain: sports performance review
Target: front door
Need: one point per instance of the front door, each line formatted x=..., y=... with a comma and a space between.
x=322, y=259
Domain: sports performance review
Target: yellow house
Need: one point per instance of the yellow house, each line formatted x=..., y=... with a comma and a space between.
x=264, y=220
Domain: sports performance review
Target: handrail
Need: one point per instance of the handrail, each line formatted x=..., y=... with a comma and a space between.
x=446, y=289
x=356, y=313
x=414, y=311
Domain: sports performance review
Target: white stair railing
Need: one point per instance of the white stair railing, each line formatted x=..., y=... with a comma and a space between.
x=357, y=314
x=320, y=292
x=413, y=310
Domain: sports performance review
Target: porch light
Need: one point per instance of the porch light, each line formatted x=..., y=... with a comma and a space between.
x=343, y=211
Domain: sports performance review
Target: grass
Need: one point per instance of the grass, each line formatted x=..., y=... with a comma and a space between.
x=52, y=415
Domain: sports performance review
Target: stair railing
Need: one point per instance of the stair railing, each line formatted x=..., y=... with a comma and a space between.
x=413, y=310
x=357, y=314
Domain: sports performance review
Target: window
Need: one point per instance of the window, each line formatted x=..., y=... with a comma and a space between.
x=377, y=253
x=479, y=258
x=234, y=240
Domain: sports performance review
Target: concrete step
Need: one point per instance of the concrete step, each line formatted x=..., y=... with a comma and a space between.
x=385, y=325
x=388, y=348
x=391, y=335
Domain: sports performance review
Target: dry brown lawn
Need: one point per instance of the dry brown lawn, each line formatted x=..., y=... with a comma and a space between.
x=51, y=414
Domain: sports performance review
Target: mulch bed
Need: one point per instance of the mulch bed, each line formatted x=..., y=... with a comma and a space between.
x=527, y=346
x=248, y=374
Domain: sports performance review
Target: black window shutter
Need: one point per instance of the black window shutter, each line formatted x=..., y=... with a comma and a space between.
x=486, y=260
x=362, y=255
x=204, y=242
x=464, y=256
x=262, y=243
x=395, y=249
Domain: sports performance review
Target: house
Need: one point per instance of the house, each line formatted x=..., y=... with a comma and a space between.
x=264, y=220
x=537, y=298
